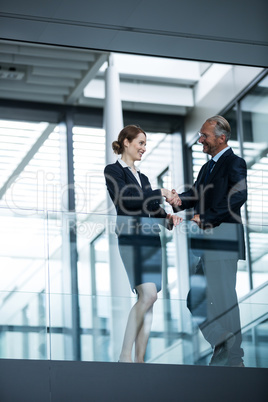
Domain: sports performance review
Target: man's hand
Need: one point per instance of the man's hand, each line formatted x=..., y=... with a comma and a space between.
x=176, y=202
x=196, y=219
x=171, y=197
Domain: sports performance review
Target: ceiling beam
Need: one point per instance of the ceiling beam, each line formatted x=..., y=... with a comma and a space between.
x=34, y=97
x=87, y=77
x=50, y=52
x=149, y=92
x=139, y=106
x=56, y=72
x=18, y=86
x=42, y=62
x=55, y=81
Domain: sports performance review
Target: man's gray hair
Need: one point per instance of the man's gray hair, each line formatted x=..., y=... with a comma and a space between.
x=222, y=126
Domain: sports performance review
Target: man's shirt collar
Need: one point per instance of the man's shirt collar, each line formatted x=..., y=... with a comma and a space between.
x=219, y=154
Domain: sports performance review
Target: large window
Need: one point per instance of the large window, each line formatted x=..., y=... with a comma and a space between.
x=64, y=293
x=249, y=120
x=254, y=112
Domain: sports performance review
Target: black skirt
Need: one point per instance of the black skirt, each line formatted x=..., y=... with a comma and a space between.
x=141, y=253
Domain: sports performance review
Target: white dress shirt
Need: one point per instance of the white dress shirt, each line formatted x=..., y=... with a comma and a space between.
x=136, y=175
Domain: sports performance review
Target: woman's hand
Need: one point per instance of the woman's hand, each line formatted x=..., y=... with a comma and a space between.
x=174, y=219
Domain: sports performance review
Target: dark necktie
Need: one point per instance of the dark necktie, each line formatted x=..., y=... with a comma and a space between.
x=209, y=170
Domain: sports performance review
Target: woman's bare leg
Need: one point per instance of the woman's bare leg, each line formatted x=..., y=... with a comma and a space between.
x=147, y=295
x=143, y=337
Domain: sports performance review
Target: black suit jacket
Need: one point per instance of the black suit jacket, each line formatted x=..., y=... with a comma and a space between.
x=219, y=201
x=222, y=197
x=128, y=197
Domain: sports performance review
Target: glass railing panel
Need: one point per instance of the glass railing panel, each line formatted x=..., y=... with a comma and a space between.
x=23, y=301
x=23, y=328
x=258, y=252
x=104, y=296
x=66, y=294
x=253, y=307
x=92, y=307
x=23, y=250
x=216, y=284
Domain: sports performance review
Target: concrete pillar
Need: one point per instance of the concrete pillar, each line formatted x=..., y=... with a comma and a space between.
x=181, y=247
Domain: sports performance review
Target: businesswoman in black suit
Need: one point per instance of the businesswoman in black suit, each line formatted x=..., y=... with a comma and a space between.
x=138, y=234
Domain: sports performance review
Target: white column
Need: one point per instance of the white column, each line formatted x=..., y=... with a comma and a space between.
x=181, y=247
x=113, y=115
x=120, y=290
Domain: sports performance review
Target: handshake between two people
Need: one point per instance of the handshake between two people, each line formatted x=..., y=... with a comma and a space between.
x=174, y=200
x=171, y=197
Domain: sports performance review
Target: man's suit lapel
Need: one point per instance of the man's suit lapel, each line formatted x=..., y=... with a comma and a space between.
x=203, y=172
x=218, y=165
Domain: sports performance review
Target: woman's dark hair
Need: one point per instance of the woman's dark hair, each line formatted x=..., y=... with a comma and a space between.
x=129, y=133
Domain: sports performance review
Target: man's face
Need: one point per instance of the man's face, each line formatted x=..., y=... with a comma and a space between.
x=211, y=143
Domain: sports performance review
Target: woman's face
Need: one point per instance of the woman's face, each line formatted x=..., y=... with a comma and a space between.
x=136, y=148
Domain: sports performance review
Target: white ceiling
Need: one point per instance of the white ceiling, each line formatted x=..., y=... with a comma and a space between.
x=72, y=76
x=50, y=73
x=54, y=74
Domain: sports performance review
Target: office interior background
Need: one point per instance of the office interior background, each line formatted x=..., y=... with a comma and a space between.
x=53, y=132
x=59, y=298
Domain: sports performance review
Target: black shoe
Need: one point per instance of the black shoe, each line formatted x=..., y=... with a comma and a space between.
x=221, y=350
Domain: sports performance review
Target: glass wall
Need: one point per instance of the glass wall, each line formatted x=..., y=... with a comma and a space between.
x=64, y=292
x=99, y=292
x=89, y=162
x=254, y=114
x=29, y=184
x=29, y=180
x=59, y=303
x=248, y=118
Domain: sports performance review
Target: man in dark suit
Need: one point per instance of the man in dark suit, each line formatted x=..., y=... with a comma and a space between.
x=217, y=197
